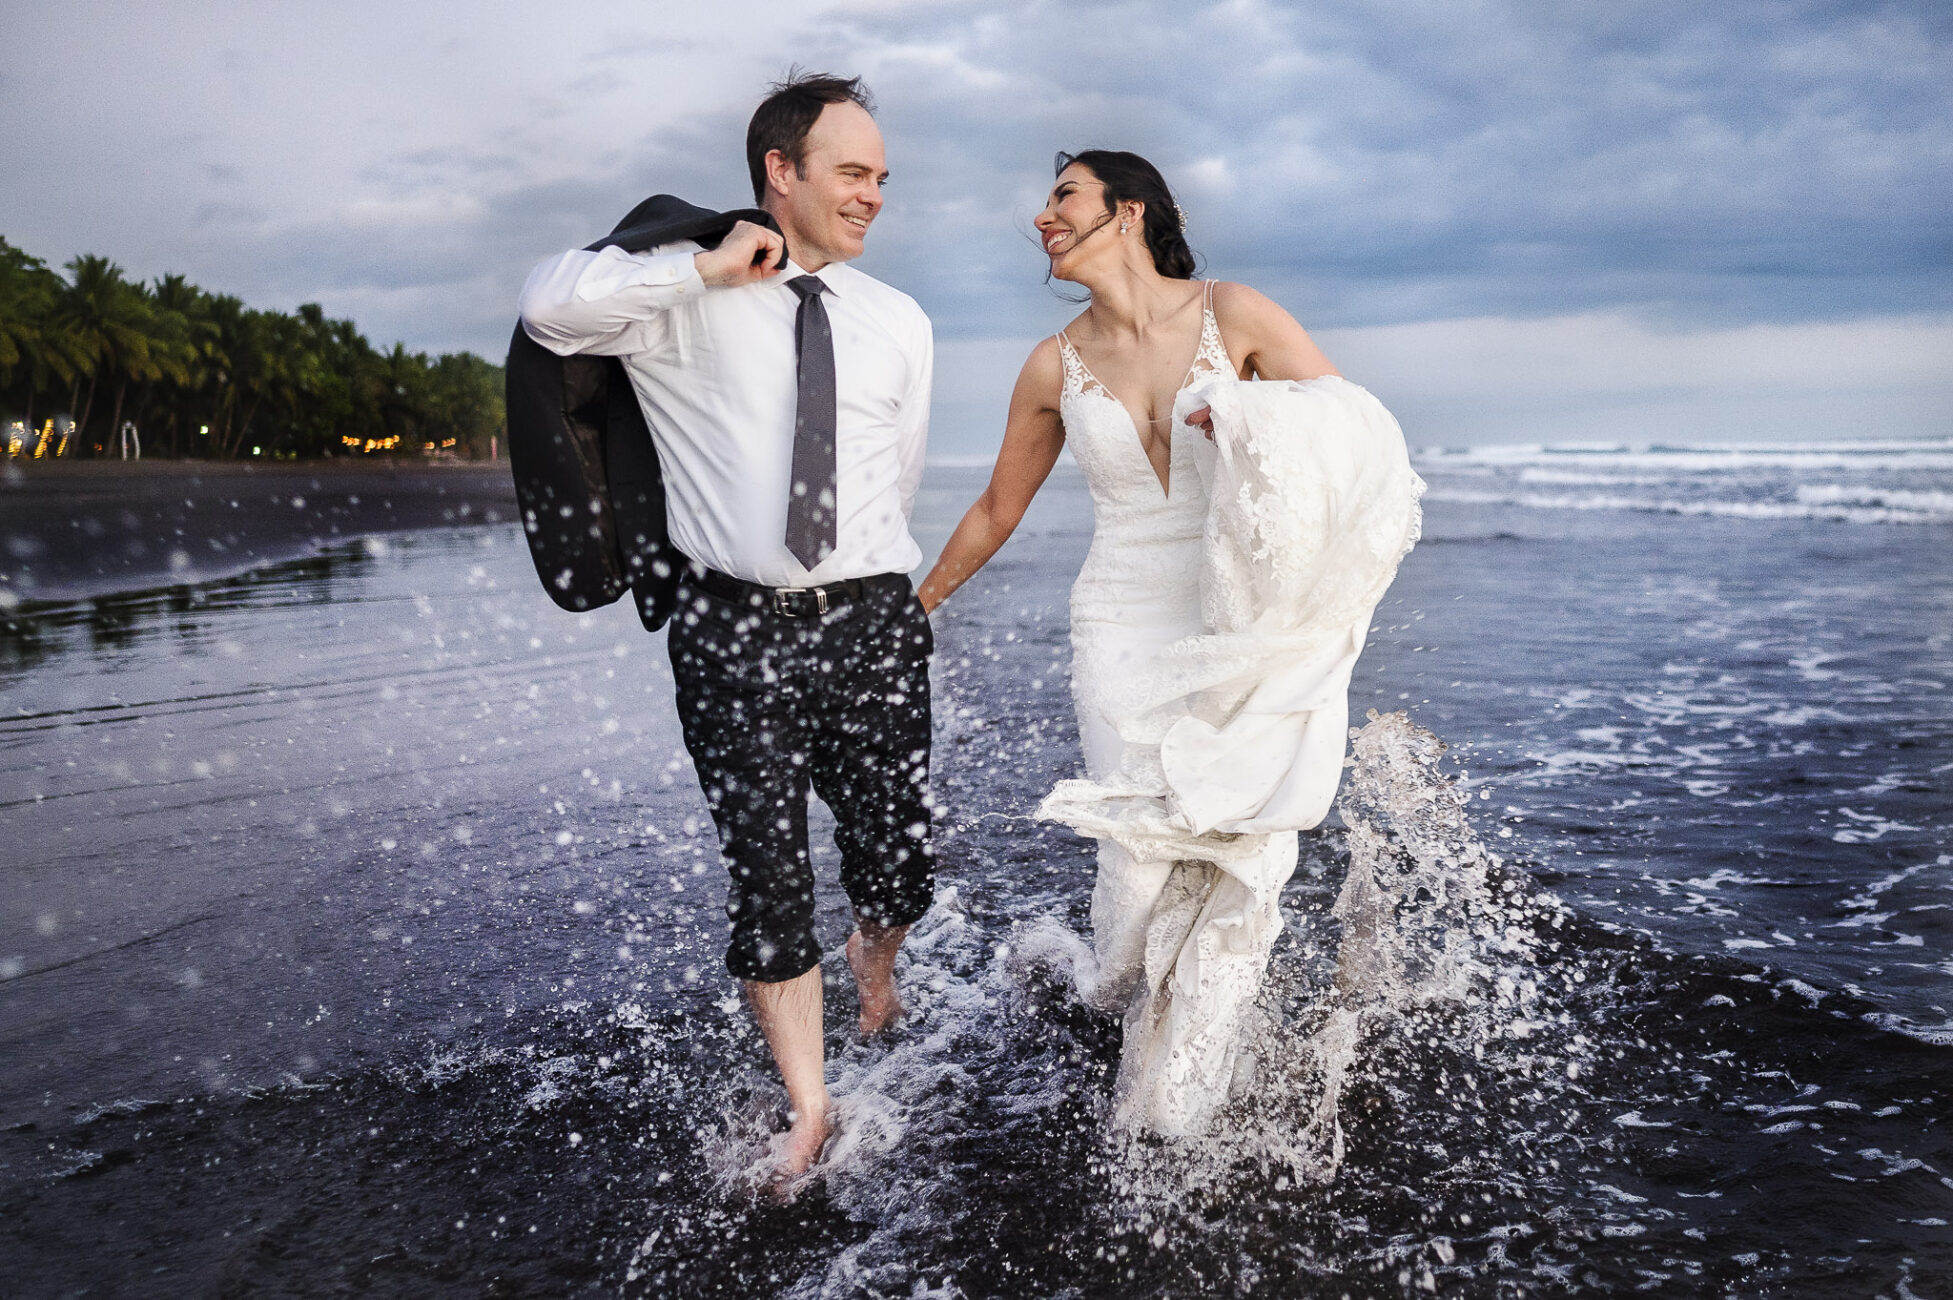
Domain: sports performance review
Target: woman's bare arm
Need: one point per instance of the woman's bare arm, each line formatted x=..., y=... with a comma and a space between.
x=1033, y=436
x=1271, y=343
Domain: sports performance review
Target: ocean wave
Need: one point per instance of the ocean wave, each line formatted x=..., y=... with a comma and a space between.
x=1838, y=494
x=950, y=460
x=1934, y=500
x=1589, y=478
x=1840, y=511
x=1940, y=1035
x=1693, y=458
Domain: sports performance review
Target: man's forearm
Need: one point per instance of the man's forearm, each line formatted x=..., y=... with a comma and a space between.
x=581, y=301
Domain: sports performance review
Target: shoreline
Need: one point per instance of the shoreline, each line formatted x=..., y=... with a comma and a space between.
x=82, y=530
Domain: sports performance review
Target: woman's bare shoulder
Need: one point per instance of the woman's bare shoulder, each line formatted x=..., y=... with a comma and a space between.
x=1044, y=358
x=1247, y=306
x=1262, y=331
x=1043, y=374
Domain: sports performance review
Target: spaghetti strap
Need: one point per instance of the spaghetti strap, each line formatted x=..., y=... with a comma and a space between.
x=1211, y=357
x=1076, y=377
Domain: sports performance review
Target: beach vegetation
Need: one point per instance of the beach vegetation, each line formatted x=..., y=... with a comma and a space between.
x=202, y=375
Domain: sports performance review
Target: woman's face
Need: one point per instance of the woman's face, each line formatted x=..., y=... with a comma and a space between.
x=1075, y=209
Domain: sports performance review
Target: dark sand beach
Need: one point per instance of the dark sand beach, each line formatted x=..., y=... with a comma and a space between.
x=362, y=929
x=75, y=529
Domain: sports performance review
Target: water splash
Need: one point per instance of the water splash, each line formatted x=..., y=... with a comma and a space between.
x=1434, y=934
x=1428, y=993
x=1448, y=1077
x=1425, y=967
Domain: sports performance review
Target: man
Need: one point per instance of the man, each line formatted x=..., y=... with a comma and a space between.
x=788, y=394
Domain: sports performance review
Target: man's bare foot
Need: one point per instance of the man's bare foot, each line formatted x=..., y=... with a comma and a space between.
x=800, y=1151
x=789, y=1015
x=805, y=1140
x=874, y=981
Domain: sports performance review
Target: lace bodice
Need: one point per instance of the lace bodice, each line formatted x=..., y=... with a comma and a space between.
x=1144, y=560
x=1210, y=358
x=1106, y=441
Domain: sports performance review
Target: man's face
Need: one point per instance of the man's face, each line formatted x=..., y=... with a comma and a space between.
x=825, y=214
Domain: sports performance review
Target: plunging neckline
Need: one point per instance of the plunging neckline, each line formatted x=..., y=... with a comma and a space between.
x=1207, y=325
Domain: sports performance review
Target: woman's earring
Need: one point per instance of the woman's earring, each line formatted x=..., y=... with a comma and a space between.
x=1124, y=226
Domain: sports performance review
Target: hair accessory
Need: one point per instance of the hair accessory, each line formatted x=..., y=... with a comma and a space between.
x=1180, y=215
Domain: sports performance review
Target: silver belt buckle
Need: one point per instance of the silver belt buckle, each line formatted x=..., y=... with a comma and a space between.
x=783, y=600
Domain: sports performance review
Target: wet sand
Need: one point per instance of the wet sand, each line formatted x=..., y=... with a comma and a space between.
x=366, y=929
x=74, y=530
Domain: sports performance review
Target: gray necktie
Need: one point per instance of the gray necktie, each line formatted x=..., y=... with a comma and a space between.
x=811, y=531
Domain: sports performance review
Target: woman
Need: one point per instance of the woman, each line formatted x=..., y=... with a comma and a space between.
x=1182, y=918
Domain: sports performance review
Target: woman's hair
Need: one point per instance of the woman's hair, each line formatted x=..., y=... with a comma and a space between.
x=1128, y=178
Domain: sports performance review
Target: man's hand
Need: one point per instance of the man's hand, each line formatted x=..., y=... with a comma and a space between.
x=747, y=254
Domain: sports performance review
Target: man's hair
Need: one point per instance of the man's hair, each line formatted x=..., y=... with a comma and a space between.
x=788, y=113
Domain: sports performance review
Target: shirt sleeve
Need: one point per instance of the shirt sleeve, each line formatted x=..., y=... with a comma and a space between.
x=912, y=430
x=607, y=303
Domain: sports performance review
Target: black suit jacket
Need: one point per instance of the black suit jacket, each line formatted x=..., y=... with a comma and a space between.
x=587, y=478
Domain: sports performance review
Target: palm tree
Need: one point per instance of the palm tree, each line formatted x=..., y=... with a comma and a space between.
x=230, y=351
x=108, y=318
x=33, y=342
x=18, y=306
x=467, y=403
x=276, y=374
x=403, y=398
x=188, y=339
x=159, y=356
x=173, y=354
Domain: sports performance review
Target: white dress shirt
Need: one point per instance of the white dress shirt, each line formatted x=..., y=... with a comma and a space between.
x=714, y=371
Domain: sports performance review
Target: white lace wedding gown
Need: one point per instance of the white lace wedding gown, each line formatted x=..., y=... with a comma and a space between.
x=1214, y=625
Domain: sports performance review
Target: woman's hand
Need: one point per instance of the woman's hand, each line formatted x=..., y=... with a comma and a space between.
x=1274, y=346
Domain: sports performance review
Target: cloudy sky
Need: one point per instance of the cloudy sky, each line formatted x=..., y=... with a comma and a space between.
x=1512, y=219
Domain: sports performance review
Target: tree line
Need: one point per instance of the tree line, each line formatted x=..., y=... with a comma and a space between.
x=202, y=375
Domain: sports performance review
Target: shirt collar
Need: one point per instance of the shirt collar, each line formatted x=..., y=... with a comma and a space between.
x=829, y=275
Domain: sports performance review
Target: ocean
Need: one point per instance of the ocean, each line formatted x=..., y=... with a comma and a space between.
x=362, y=932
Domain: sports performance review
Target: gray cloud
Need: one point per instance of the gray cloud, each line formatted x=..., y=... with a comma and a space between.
x=1391, y=161
x=1368, y=162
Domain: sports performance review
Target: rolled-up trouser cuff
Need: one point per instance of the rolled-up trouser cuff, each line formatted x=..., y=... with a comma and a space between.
x=755, y=958
x=772, y=706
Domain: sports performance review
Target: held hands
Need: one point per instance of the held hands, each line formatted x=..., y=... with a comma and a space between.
x=747, y=254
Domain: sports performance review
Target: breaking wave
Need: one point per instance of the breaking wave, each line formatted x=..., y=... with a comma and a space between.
x=1884, y=482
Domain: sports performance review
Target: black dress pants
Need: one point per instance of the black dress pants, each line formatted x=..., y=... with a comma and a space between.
x=772, y=704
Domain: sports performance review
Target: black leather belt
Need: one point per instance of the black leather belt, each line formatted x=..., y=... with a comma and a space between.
x=793, y=602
